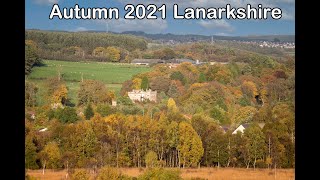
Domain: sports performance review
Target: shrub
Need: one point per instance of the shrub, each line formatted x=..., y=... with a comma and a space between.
x=261, y=164
x=80, y=174
x=160, y=174
x=109, y=173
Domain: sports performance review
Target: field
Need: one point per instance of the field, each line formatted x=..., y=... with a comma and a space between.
x=112, y=74
x=204, y=173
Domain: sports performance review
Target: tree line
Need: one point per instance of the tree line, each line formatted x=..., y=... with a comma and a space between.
x=185, y=128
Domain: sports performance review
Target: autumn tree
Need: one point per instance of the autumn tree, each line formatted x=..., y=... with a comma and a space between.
x=126, y=87
x=151, y=159
x=93, y=91
x=160, y=84
x=50, y=156
x=30, y=94
x=60, y=95
x=136, y=83
x=190, y=146
x=255, y=143
x=31, y=58
x=30, y=153
x=113, y=54
x=172, y=105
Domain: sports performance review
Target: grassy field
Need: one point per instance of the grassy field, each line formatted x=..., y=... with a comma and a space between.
x=112, y=74
x=188, y=173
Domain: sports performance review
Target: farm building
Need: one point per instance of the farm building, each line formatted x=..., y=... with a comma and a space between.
x=147, y=61
x=141, y=95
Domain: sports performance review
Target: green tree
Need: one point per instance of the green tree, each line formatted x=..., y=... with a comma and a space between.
x=202, y=78
x=151, y=159
x=66, y=114
x=173, y=90
x=177, y=75
x=88, y=112
x=104, y=110
x=145, y=83
x=30, y=153
x=255, y=143
x=160, y=174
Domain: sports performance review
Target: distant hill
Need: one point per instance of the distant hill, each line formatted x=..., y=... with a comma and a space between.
x=193, y=37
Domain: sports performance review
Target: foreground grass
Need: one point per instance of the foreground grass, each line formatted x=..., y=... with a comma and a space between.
x=188, y=173
x=112, y=74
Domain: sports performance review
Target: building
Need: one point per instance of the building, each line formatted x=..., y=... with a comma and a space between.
x=141, y=95
x=114, y=103
x=147, y=61
x=242, y=127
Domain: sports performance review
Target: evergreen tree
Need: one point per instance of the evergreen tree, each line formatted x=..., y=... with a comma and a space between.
x=88, y=113
x=145, y=83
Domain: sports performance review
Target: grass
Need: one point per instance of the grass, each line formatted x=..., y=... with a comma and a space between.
x=188, y=173
x=112, y=74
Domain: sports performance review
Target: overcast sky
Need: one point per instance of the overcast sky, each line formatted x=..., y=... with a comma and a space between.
x=37, y=17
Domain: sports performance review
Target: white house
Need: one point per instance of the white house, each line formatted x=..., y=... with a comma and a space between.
x=242, y=127
x=141, y=95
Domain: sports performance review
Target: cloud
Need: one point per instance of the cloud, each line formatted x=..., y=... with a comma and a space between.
x=79, y=29
x=222, y=34
x=46, y=2
x=216, y=24
x=145, y=25
x=287, y=16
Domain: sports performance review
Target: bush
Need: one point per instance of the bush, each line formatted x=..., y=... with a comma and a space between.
x=261, y=164
x=151, y=159
x=109, y=173
x=88, y=113
x=160, y=174
x=66, y=115
x=104, y=110
x=80, y=174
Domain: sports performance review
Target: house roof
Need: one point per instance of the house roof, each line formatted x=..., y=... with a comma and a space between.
x=246, y=125
x=181, y=60
x=150, y=61
x=261, y=125
x=225, y=128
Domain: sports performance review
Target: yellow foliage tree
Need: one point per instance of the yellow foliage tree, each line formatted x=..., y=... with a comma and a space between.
x=249, y=88
x=60, y=94
x=172, y=105
x=244, y=114
x=99, y=51
x=136, y=83
x=113, y=54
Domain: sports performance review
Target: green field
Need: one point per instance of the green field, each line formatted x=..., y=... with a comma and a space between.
x=112, y=74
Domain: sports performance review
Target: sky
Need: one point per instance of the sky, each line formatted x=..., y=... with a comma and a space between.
x=38, y=11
